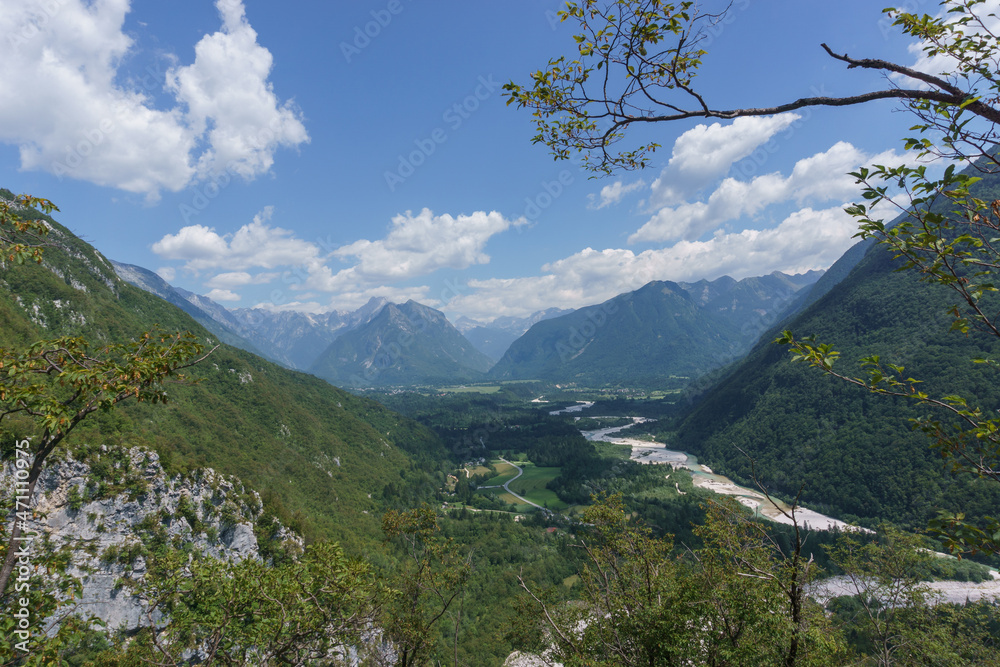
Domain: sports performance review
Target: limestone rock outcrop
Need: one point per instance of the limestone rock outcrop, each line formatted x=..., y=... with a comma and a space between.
x=111, y=511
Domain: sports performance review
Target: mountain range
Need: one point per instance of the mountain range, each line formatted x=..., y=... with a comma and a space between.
x=663, y=330
x=294, y=339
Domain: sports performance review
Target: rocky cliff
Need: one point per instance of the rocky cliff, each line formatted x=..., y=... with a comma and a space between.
x=109, y=511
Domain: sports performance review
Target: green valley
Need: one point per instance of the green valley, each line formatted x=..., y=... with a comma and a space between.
x=738, y=409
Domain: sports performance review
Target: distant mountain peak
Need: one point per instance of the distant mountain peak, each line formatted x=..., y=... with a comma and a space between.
x=293, y=338
x=660, y=330
x=404, y=344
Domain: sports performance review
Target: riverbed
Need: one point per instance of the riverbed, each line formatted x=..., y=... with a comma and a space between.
x=653, y=453
x=579, y=407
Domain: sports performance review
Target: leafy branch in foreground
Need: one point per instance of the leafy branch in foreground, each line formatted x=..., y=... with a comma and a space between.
x=429, y=580
x=637, y=62
x=972, y=445
x=251, y=612
x=947, y=234
x=58, y=383
x=21, y=239
x=740, y=599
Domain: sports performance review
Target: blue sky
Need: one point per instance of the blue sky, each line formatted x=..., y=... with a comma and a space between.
x=274, y=154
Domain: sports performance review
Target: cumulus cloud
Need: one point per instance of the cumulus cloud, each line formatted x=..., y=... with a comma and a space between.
x=698, y=242
x=807, y=239
x=227, y=88
x=83, y=122
x=256, y=245
x=706, y=152
x=612, y=194
x=819, y=178
x=223, y=295
x=239, y=279
x=416, y=245
x=168, y=273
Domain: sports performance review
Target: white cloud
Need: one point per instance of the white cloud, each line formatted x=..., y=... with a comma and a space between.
x=223, y=295
x=612, y=194
x=807, y=239
x=257, y=245
x=706, y=152
x=239, y=279
x=83, y=122
x=195, y=243
x=227, y=88
x=168, y=273
x=820, y=178
x=416, y=245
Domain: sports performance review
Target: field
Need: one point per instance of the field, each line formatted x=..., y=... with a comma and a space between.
x=478, y=470
x=505, y=473
x=471, y=389
x=530, y=485
x=518, y=506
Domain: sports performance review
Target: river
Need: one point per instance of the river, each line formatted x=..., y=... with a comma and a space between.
x=654, y=453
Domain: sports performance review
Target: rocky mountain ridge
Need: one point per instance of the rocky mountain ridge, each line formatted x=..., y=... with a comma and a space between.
x=292, y=338
x=663, y=331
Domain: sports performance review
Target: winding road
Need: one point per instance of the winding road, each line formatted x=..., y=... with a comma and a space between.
x=506, y=486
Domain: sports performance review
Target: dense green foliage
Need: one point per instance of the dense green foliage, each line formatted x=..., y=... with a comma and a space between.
x=853, y=451
x=252, y=612
x=739, y=598
x=316, y=452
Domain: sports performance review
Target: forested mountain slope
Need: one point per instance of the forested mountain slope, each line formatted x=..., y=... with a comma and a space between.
x=325, y=456
x=404, y=344
x=661, y=330
x=853, y=452
x=151, y=282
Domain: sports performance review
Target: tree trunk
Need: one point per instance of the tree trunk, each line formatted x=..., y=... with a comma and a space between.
x=14, y=542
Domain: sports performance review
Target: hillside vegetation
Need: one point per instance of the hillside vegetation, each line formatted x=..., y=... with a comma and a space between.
x=853, y=451
x=319, y=455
